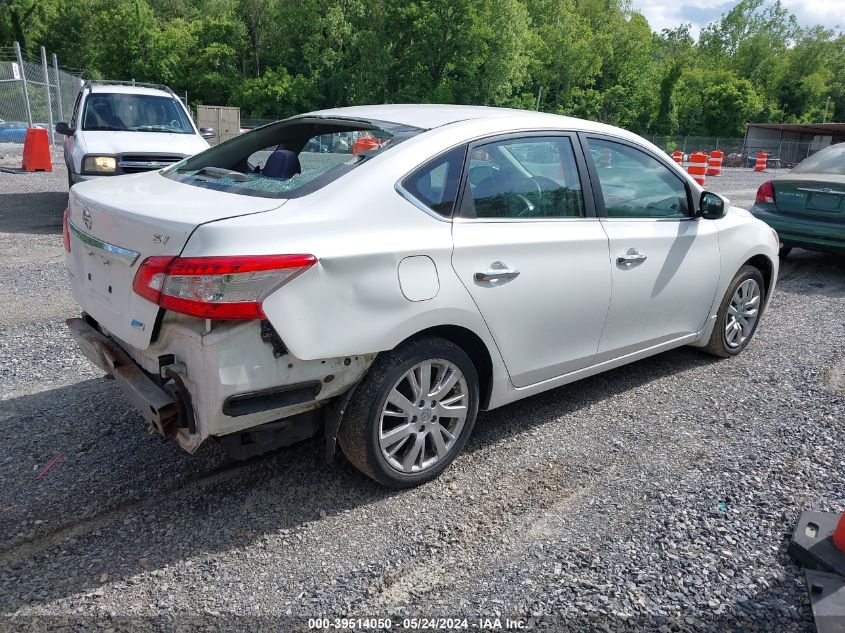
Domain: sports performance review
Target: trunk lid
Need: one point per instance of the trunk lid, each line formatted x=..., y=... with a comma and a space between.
x=117, y=222
x=812, y=195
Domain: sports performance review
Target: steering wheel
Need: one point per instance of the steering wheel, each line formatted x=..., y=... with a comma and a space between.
x=174, y=123
x=528, y=207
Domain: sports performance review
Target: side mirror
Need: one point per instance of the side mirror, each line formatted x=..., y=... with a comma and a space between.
x=207, y=132
x=712, y=206
x=64, y=128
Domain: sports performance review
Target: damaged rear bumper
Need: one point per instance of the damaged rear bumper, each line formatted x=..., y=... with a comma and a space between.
x=229, y=379
x=159, y=409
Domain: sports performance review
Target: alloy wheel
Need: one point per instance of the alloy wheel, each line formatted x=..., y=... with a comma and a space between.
x=742, y=313
x=423, y=416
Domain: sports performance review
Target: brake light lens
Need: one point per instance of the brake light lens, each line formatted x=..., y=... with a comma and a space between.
x=66, y=229
x=217, y=287
x=766, y=193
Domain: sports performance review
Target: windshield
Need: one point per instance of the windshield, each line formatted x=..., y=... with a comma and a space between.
x=135, y=113
x=289, y=158
x=830, y=160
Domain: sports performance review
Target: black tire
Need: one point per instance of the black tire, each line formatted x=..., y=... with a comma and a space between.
x=359, y=431
x=784, y=250
x=718, y=344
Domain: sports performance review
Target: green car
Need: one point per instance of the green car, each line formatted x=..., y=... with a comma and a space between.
x=807, y=205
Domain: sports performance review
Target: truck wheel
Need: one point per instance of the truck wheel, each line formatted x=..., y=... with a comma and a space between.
x=739, y=314
x=412, y=413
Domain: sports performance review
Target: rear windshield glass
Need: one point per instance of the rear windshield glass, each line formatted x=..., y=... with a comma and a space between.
x=289, y=158
x=830, y=160
x=135, y=113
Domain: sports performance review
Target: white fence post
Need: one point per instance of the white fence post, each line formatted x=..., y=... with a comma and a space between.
x=23, y=80
x=58, y=87
x=49, y=96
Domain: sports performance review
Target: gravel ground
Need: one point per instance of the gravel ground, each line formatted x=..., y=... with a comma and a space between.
x=740, y=185
x=659, y=496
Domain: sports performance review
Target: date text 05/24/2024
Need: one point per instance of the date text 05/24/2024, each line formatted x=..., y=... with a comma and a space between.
x=417, y=624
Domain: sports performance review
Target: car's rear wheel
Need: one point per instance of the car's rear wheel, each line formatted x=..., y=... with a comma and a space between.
x=739, y=314
x=412, y=413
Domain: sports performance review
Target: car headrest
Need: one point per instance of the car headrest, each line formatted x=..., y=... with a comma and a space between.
x=282, y=164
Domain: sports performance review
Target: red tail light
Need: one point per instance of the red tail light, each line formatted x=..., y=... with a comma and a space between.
x=766, y=193
x=217, y=287
x=66, y=229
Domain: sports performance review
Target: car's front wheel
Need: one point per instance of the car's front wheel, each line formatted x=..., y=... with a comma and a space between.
x=739, y=313
x=412, y=413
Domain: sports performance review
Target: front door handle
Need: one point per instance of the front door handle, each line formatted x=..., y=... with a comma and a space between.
x=633, y=256
x=497, y=271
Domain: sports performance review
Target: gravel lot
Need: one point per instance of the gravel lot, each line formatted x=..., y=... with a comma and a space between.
x=659, y=496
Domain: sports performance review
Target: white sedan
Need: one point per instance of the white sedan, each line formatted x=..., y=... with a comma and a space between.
x=381, y=273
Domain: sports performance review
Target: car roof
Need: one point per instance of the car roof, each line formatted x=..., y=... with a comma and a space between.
x=132, y=90
x=428, y=116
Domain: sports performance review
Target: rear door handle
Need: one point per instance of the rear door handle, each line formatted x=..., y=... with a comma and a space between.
x=497, y=271
x=633, y=256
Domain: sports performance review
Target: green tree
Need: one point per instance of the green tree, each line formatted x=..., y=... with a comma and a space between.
x=276, y=93
x=674, y=49
x=716, y=103
x=565, y=58
x=593, y=58
x=807, y=80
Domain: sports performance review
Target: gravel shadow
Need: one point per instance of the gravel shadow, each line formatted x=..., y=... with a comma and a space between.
x=118, y=492
x=35, y=213
x=521, y=416
x=812, y=273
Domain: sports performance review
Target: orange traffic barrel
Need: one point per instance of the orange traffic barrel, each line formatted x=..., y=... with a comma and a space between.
x=697, y=167
x=36, y=150
x=760, y=165
x=839, y=534
x=678, y=156
x=364, y=144
x=714, y=164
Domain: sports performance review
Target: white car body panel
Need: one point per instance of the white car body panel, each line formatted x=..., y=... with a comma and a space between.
x=666, y=296
x=548, y=320
x=376, y=315
x=102, y=283
x=389, y=268
x=739, y=242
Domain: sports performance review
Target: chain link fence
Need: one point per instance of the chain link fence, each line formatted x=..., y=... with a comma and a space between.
x=741, y=152
x=33, y=93
x=37, y=93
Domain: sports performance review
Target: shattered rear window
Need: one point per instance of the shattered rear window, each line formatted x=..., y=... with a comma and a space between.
x=290, y=158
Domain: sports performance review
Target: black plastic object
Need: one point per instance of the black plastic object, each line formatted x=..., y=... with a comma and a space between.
x=273, y=398
x=827, y=597
x=812, y=543
x=270, y=436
